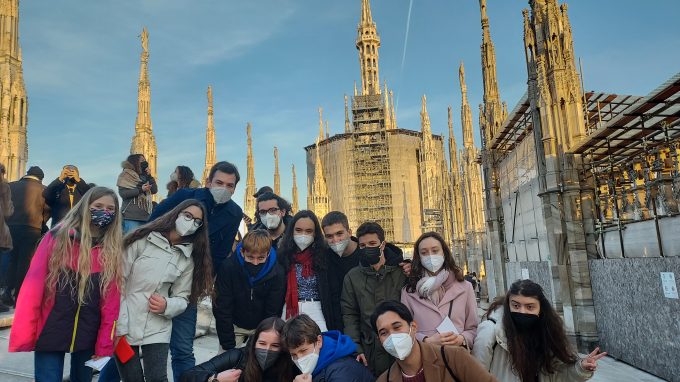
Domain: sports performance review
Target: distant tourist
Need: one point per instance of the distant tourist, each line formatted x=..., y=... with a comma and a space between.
x=523, y=339
x=136, y=187
x=437, y=294
x=264, y=359
x=417, y=361
x=65, y=192
x=26, y=225
x=378, y=278
x=167, y=265
x=6, y=210
x=76, y=272
x=181, y=178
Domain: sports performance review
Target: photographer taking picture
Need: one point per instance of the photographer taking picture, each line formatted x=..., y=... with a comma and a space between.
x=65, y=192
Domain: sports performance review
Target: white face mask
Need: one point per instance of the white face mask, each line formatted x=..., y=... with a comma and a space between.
x=303, y=241
x=271, y=221
x=307, y=363
x=173, y=176
x=432, y=263
x=220, y=194
x=185, y=227
x=339, y=247
x=399, y=345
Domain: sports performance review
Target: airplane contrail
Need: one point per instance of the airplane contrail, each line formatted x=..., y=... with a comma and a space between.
x=403, y=56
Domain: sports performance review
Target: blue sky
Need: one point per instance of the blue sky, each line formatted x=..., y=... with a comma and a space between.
x=274, y=62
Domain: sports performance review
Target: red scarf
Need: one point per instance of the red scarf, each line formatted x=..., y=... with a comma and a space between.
x=303, y=258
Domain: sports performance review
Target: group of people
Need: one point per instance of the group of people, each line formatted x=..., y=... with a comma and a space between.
x=295, y=299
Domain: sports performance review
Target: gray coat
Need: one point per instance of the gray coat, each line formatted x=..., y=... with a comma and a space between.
x=491, y=349
x=6, y=210
x=151, y=265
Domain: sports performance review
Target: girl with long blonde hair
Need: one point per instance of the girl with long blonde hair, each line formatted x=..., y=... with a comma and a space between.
x=70, y=298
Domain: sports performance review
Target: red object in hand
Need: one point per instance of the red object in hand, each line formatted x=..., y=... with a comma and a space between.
x=123, y=350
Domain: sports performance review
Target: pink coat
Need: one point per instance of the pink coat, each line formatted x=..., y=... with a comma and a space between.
x=459, y=296
x=34, y=307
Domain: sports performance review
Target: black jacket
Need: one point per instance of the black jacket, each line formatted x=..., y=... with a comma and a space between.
x=239, y=304
x=339, y=267
x=223, y=220
x=231, y=359
x=58, y=197
x=29, y=204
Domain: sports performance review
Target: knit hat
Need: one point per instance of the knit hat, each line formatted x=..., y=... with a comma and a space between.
x=36, y=171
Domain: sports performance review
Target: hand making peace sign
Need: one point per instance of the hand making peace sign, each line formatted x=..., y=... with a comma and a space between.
x=590, y=362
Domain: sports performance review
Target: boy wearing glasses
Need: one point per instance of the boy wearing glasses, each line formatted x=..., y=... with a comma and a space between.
x=250, y=287
x=273, y=214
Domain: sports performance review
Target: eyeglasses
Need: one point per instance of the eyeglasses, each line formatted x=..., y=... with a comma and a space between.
x=270, y=211
x=188, y=216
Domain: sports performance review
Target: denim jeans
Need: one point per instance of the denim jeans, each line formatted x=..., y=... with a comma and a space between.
x=49, y=366
x=155, y=360
x=130, y=225
x=182, y=341
x=109, y=373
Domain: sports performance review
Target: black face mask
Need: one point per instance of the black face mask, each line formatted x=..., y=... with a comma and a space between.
x=523, y=321
x=143, y=166
x=253, y=269
x=369, y=256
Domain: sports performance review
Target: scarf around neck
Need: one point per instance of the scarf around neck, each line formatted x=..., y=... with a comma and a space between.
x=303, y=258
x=432, y=287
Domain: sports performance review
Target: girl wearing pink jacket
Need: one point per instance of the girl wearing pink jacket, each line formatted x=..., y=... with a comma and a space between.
x=69, y=300
x=441, y=301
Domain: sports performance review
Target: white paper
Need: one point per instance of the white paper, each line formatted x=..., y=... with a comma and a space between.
x=525, y=274
x=98, y=364
x=670, y=289
x=447, y=326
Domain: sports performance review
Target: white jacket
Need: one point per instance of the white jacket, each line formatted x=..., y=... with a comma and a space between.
x=153, y=265
x=491, y=349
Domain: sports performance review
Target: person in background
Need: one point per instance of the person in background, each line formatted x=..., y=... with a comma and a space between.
x=181, y=178
x=265, y=359
x=224, y=218
x=70, y=298
x=436, y=291
x=303, y=254
x=417, y=361
x=6, y=210
x=64, y=192
x=136, y=187
x=250, y=286
x=256, y=224
x=322, y=357
x=273, y=214
x=379, y=277
x=166, y=266
x=26, y=225
x=523, y=340
x=343, y=255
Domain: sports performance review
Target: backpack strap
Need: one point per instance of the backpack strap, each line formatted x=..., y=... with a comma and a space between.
x=446, y=363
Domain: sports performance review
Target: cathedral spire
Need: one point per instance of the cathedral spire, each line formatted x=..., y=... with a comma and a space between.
x=425, y=119
x=368, y=43
x=319, y=188
x=210, y=155
x=295, y=206
x=9, y=43
x=322, y=136
x=277, y=177
x=393, y=115
x=465, y=111
x=249, y=202
x=144, y=141
x=493, y=109
x=347, y=125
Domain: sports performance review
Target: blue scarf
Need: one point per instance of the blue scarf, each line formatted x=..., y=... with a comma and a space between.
x=268, y=265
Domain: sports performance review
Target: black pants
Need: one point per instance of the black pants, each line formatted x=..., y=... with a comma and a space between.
x=25, y=240
x=155, y=364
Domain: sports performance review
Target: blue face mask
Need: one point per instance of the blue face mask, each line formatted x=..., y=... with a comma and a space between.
x=101, y=218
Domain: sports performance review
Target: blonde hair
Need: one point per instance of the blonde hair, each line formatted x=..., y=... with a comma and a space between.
x=111, y=245
x=257, y=242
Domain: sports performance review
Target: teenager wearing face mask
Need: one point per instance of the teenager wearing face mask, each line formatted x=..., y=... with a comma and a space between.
x=378, y=278
x=64, y=192
x=437, y=293
x=303, y=255
x=523, y=340
x=250, y=287
x=182, y=177
x=416, y=361
x=273, y=214
x=69, y=300
x=224, y=217
x=167, y=265
x=322, y=357
x=264, y=359
x=136, y=187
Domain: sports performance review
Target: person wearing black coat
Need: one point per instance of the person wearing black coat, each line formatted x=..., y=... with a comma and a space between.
x=250, y=287
x=65, y=192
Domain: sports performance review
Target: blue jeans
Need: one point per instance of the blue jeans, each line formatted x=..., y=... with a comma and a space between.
x=182, y=341
x=131, y=225
x=110, y=372
x=49, y=366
